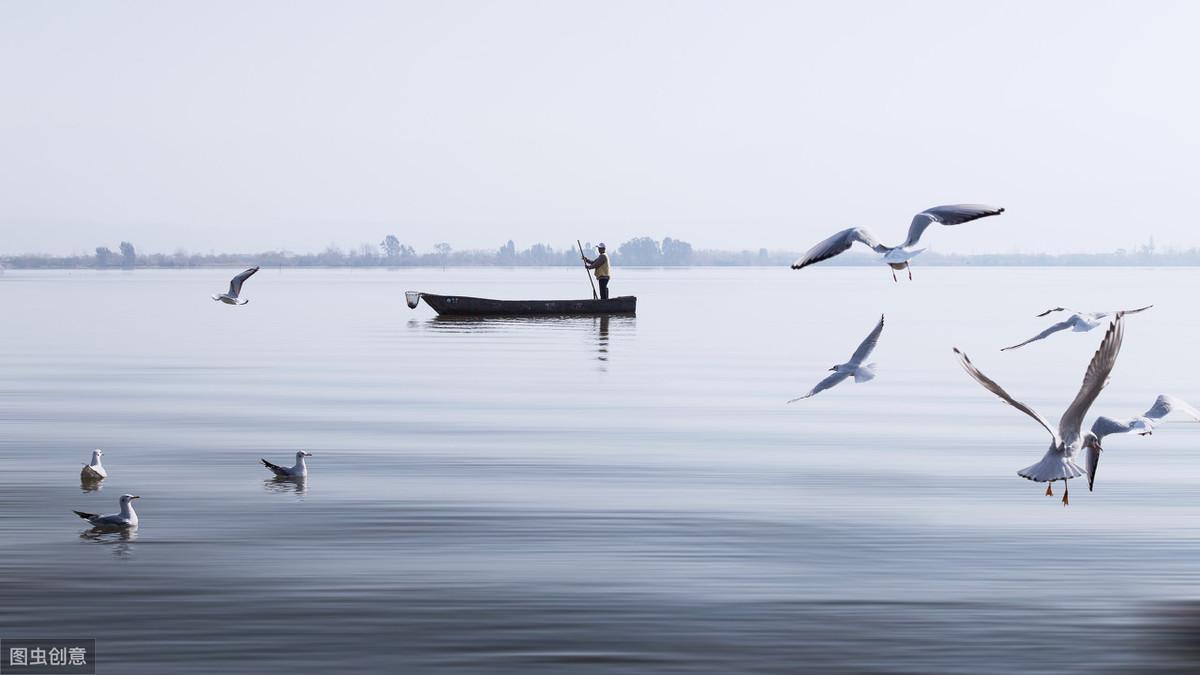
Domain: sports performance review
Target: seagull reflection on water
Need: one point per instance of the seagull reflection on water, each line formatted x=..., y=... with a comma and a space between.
x=286, y=484
x=91, y=485
x=121, y=539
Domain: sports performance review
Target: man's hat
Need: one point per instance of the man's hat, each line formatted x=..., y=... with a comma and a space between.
x=600, y=245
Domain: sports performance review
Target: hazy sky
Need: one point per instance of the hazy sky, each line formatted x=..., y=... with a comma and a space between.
x=243, y=126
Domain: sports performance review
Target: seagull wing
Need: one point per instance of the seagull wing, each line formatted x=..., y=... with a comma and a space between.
x=1106, y=426
x=85, y=516
x=1093, y=380
x=110, y=519
x=823, y=385
x=953, y=214
x=996, y=389
x=838, y=243
x=235, y=284
x=275, y=468
x=1139, y=309
x=868, y=345
x=1061, y=325
x=1056, y=309
x=1166, y=404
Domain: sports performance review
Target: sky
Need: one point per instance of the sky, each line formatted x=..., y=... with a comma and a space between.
x=247, y=126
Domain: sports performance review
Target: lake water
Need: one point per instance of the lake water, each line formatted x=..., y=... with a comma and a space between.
x=592, y=495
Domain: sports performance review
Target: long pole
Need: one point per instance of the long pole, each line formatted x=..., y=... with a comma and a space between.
x=585, y=270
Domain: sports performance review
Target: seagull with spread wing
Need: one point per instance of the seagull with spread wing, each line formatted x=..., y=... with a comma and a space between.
x=230, y=297
x=855, y=367
x=1059, y=461
x=896, y=257
x=1164, y=405
x=1079, y=322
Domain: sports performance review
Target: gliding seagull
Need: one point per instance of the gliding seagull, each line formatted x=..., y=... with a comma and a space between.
x=300, y=470
x=896, y=257
x=853, y=367
x=1079, y=322
x=1164, y=405
x=1058, y=462
x=230, y=297
x=126, y=518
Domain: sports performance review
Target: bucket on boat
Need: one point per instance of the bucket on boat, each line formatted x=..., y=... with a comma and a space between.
x=412, y=298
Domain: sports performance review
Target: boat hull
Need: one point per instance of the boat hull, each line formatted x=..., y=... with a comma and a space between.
x=461, y=305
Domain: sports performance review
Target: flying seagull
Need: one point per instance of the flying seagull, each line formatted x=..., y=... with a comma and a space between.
x=1079, y=322
x=95, y=470
x=1164, y=405
x=1059, y=462
x=297, y=471
x=230, y=297
x=896, y=257
x=126, y=518
x=853, y=367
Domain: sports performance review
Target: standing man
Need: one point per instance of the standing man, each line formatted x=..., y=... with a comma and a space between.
x=601, y=267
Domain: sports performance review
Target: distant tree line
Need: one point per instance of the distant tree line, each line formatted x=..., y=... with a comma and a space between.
x=639, y=251
x=390, y=252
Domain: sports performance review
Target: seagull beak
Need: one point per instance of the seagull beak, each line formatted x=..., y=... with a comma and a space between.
x=1093, y=462
x=136, y=497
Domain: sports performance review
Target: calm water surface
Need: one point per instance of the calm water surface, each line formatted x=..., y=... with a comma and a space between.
x=592, y=495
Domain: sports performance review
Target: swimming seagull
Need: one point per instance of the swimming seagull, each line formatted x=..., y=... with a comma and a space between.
x=1164, y=405
x=897, y=257
x=853, y=367
x=297, y=471
x=126, y=518
x=95, y=470
x=1059, y=463
x=235, y=287
x=1079, y=322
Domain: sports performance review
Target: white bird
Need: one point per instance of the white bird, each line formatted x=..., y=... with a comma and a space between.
x=1079, y=322
x=126, y=518
x=1164, y=405
x=853, y=367
x=230, y=297
x=95, y=470
x=896, y=257
x=1058, y=462
x=300, y=470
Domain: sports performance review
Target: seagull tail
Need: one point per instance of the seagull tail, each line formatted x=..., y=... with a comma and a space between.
x=274, y=467
x=85, y=516
x=865, y=373
x=1054, y=466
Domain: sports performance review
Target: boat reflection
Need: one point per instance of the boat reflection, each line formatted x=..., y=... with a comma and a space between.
x=602, y=341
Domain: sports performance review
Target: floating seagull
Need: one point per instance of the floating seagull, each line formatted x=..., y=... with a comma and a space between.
x=95, y=470
x=897, y=257
x=126, y=518
x=1164, y=405
x=235, y=287
x=1079, y=322
x=1059, y=463
x=853, y=367
x=297, y=471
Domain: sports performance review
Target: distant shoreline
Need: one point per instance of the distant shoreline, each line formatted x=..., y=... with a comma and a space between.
x=5, y=264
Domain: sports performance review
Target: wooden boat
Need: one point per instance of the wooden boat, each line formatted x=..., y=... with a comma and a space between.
x=461, y=305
